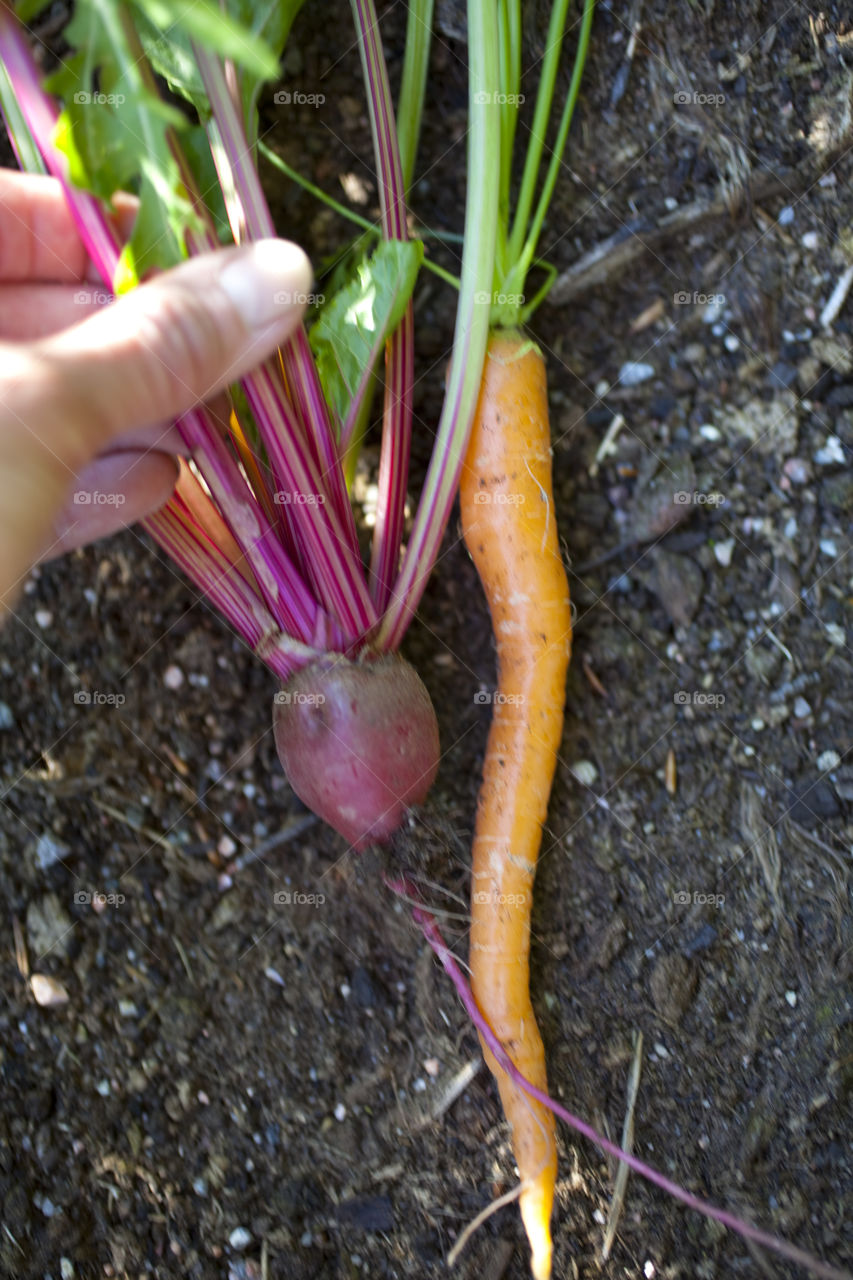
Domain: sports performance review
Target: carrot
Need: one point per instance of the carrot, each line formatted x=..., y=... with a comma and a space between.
x=509, y=527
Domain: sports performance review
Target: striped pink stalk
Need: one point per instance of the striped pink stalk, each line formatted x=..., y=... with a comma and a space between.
x=400, y=349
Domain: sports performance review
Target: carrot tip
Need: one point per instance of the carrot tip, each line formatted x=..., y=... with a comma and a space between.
x=540, y=1255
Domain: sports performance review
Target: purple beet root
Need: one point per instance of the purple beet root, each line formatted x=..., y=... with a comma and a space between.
x=358, y=742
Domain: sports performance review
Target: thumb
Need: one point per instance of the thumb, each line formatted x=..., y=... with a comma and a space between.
x=147, y=358
x=173, y=342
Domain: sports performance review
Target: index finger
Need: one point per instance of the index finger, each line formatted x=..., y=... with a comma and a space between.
x=38, y=238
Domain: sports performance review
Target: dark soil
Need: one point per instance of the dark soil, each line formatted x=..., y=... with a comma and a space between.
x=243, y=1080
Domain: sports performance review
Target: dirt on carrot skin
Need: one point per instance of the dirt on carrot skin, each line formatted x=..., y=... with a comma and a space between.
x=240, y=1081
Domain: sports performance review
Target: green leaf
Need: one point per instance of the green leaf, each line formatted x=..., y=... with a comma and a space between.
x=216, y=29
x=237, y=31
x=351, y=331
x=115, y=131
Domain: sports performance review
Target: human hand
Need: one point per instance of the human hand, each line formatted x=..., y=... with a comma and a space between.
x=88, y=392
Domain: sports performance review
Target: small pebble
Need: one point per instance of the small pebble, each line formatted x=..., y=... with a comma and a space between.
x=43, y=617
x=274, y=976
x=173, y=677
x=731, y=342
x=66, y=1269
x=200, y=1186
x=723, y=552
x=47, y=991
x=836, y=634
x=757, y=724
x=709, y=432
x=250, y=790
x=345, y=990
x=585, y=772
x=670, y=203
x=340, y=1112
x=786, y=216
x=240, y=1238
x=649, y=1270
x=633, y=373
x=419, y=1085
x=802, y=710
x=828, y=547
x=7, y=720
x=103, y=1088
x=791, y=528
x=718, y=329
x=810, y=241
x=306, y=1239
x=828, y=760
x=49, y=851
x=831, y=453
x=226, y=847
x=791, y=997
x=432, y=1067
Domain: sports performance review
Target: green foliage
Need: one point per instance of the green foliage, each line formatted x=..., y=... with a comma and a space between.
x=115, y=129
x=353, y=327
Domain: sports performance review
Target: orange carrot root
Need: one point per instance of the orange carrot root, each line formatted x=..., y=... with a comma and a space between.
x=510, y=529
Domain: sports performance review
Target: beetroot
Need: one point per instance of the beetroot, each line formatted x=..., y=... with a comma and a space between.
x=358, y=742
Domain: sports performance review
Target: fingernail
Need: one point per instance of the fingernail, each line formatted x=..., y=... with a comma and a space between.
x=267, y=281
